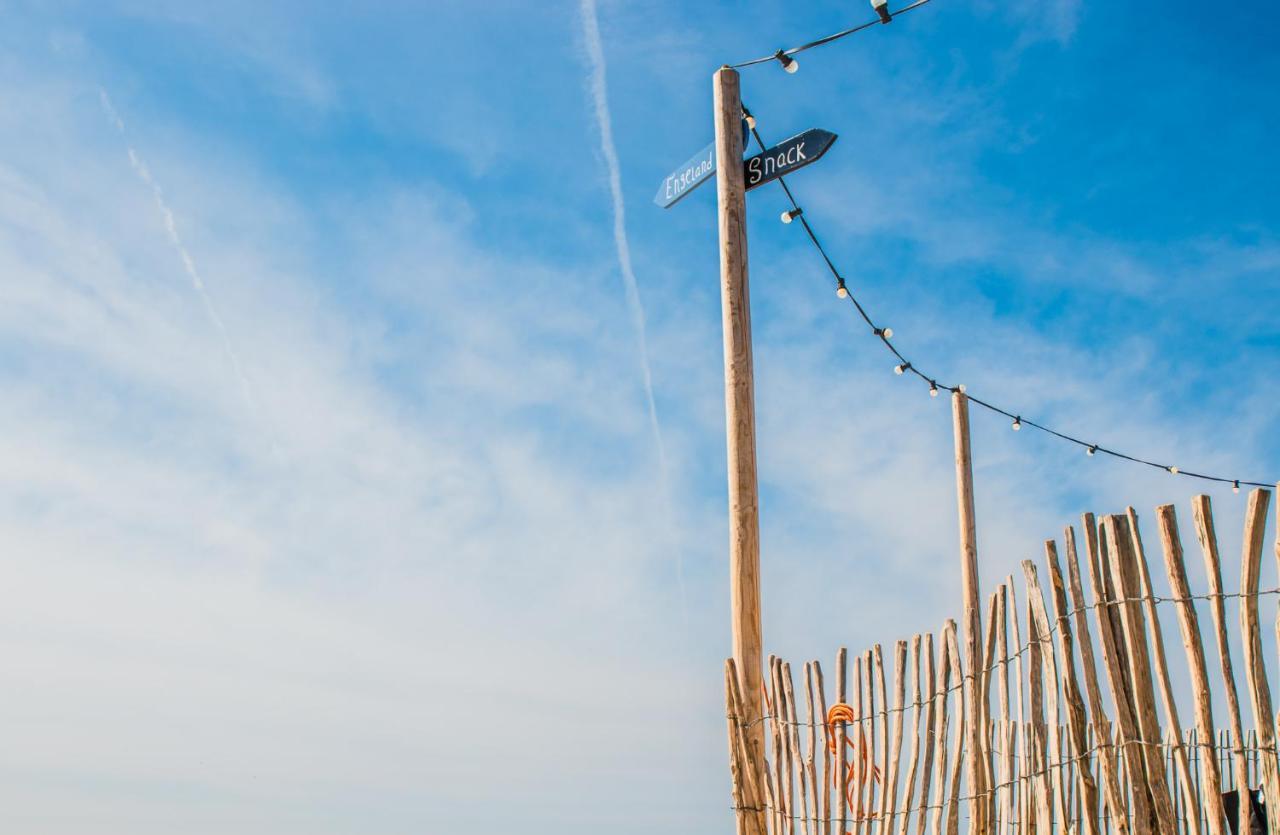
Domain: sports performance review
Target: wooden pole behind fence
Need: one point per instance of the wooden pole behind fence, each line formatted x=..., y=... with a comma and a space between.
x=971, y=620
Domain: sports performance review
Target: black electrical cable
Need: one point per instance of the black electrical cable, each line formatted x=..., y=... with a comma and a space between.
x=885, y=335
x=828, y=39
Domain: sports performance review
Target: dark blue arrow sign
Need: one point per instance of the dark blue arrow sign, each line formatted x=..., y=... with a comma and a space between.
x=786, y=157
x=692, y=174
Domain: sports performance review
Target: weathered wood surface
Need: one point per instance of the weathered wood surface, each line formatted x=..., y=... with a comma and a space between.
x=744, y=520
x=971, y=618
x=1061, y=750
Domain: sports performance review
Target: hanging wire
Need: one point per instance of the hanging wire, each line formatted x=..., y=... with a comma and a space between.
x=885, y=334
x=844, y=33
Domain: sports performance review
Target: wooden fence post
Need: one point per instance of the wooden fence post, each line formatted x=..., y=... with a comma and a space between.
x=971, y=622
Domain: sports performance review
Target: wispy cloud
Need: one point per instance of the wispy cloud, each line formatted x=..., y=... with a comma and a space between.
x=604, y=122
x=188, y=263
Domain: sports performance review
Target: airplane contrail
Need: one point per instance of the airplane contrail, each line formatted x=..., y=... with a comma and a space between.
x=600, y=97
x=188, y=263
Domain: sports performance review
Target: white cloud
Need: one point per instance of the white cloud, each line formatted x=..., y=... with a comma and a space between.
x=443, y=608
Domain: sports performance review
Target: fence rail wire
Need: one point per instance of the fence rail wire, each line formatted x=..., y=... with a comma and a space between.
x=1056, y=754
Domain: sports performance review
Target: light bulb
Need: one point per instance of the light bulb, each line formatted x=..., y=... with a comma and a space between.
x=791, y=214
x=1091, y=450
x=1017, y=424
x=888, y=333
x=1173, y=470
x=961, y=388
x=882, y=9
x=899, y=369
x=788, y=63
x=751, y=120
x=842, y=291
x=933, y=389
x=1235, y=488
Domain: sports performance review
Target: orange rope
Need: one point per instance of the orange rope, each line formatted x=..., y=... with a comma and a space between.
x=841, y=712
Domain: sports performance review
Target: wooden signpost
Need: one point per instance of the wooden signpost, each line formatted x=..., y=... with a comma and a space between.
x=732, y=183
x=692, y=174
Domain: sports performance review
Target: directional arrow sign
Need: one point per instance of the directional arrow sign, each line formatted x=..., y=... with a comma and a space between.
x=692, y=174
x=687, y=177
x=785, y=157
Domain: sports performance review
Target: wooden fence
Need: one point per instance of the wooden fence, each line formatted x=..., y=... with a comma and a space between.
x=1080, y=724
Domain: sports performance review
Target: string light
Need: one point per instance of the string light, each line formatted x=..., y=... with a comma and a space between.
x=784, y=55
x=792, y=214
x=788, y=63
x=886, y=334
x=902, y=369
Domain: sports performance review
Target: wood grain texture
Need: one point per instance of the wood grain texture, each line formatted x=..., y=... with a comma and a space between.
x=1005, y=780
x=842, y=736
x=1202, y=513
x=795, y=756
x=971, y=618
x=1124, y=573
x=1048, y=799
x=1100, y=726
x=1181, y=767
x=755, y=799
x=824, y=797
x=1115, y=660
x=739, y=395
x=890, y=795
x=1202, y=702
x=953, y=802
x=877, y=653
x=942, y=698
x=913, y=758
x=931, y=731
x=810, y=758
x=1255, y=529
x=1076, y=713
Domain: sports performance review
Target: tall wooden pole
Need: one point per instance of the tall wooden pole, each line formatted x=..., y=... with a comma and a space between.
x=971, y=625
x=740, y=416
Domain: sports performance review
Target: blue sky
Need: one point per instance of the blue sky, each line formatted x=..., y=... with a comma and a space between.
x=331, y=501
